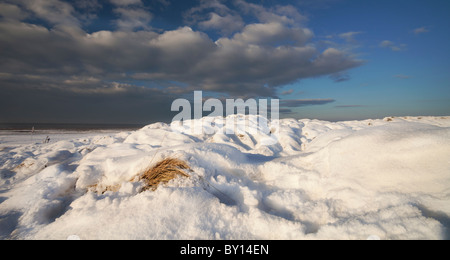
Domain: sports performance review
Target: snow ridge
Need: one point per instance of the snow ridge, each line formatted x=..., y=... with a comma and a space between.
x=387, y=178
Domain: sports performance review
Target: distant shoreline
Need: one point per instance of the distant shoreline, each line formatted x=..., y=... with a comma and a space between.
x=28, y=127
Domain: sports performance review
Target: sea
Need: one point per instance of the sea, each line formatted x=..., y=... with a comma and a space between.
x=12, y=135
x=30, y=127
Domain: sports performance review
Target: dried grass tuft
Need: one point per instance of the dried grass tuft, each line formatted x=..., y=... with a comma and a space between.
x=163, y=172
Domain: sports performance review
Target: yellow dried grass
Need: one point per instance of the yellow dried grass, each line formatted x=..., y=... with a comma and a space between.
x=163, y=172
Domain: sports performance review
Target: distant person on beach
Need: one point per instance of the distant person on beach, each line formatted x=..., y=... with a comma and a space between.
x=47, y=140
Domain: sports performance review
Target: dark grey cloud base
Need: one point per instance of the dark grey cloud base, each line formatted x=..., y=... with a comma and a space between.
x=52, y=69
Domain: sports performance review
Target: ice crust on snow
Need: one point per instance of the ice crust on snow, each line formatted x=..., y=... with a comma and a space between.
x=387, y=178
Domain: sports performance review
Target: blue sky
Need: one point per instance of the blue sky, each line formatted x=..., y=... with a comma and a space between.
x=408, y=76
x=125, y=61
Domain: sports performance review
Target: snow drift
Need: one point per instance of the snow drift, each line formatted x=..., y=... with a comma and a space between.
x=388, y=179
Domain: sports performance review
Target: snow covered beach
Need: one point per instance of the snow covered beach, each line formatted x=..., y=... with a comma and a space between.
x=387, y=179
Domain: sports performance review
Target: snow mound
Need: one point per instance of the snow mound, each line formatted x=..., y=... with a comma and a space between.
x=385, y=178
